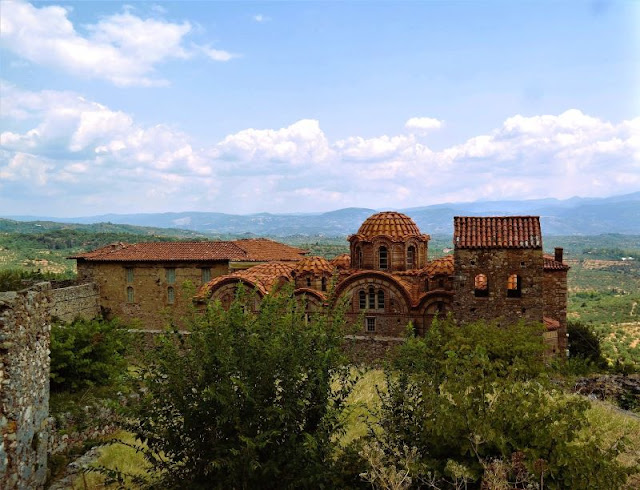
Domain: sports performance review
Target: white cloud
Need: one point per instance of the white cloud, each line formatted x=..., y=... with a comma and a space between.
x=83, y=155
x=301, y=143
x=261, y=18
x=423, y=123
x=121, y=48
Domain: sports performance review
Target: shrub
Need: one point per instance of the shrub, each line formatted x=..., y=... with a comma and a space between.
x=244, y=400
x=473, y=406
x=87, y=353
x=584, y=343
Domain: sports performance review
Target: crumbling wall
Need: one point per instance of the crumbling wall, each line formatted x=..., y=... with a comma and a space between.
x=75, y=301
x=24, y=386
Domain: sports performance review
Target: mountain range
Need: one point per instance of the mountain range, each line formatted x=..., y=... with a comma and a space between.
x=575, y=216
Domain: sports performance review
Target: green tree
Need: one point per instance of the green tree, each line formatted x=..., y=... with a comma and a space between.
x=584, y=343
x=87, y=353
x=245, y=400
x=473, y=407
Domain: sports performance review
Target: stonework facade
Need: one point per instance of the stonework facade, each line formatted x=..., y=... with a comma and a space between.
x=151, y=285
x=498, y=272
x=24, y=387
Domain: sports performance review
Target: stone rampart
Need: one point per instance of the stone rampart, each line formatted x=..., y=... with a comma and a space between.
x=25, y=335
x=75, y=301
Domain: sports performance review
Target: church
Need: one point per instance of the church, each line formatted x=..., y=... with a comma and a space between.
x=498, y=272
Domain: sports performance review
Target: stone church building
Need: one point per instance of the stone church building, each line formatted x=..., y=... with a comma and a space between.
x=498, y=272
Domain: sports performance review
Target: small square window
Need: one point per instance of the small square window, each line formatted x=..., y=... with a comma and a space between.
x=371, y=324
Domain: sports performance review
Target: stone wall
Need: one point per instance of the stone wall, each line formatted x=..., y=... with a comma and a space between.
x=371, y=351
x=150, y=303
x=497, y=265
x=75, y=301
x=555, y=303
x=24, y=380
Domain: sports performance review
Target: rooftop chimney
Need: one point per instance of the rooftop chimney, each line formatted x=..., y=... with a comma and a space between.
x=558, y=256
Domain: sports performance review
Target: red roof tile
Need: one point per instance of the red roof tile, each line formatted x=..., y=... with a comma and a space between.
x=263, y=277
x=551, y=264
x=390, y=224
x=550, y=323
x=314, y=265
x=342, y=261
x=263, y=250
x=497, y=232
x=253, y=250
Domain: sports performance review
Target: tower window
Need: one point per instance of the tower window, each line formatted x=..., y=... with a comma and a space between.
x=481, y=286
x=382, y=258
x=411, y=257
x=514, y=286
x=363, y=299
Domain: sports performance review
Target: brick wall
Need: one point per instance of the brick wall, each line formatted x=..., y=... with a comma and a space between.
x=24, y=381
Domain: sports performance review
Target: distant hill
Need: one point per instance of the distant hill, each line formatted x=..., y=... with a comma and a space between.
x=575, y=216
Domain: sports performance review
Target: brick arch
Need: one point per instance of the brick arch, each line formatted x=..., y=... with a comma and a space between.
x=379, y=280
x=315, y=299
x=428, y=308
x=227, y=287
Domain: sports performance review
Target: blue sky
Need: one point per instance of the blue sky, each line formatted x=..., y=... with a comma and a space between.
x=310, y=106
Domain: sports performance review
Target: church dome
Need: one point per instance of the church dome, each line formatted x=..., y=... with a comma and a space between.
x=314, y=265
x=389, y=223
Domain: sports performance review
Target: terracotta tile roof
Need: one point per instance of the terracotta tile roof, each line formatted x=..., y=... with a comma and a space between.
x=264, y=250
x=497, y=232
x=442, y=265
x=342, y=261
x=165, y=252
x=550, y=324
x=393, y=225
x=314, y=265
x=263, y=277
x=252, y=250
x=551, y=264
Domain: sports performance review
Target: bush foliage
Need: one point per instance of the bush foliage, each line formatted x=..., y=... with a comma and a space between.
x=470, y=406
x=87, y=353
x=244, y=400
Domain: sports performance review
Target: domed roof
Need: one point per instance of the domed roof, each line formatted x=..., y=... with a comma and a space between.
x=342, y=261
x=313, y=265
x=389, y=223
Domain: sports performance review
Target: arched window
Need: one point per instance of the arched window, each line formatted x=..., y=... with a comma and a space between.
x=171, y=295
x=358, y=257
x=372, y=299
x=382, y=258
x=481, y=286
x=411, y=257
x=363, y=299
x=308, y=282
x=513, y=286
x=380, y=299
x=324, y=283
x=130, y=294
